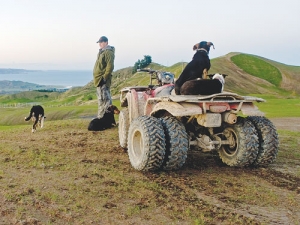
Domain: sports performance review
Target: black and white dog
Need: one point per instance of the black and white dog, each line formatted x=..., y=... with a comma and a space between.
x=198, y=67
x=107, y=121
x=204, y=86
x=37, y=115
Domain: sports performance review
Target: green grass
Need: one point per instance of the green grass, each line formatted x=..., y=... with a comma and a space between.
x=290, y=139
x=289, y=149
x=15, y=116
x=274, y=107
x=258, y=67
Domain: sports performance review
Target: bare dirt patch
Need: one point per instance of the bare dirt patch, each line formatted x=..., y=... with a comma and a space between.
x=288, y=123
x=64, y=174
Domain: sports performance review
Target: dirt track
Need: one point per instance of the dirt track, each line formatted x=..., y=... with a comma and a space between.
x=289, y=123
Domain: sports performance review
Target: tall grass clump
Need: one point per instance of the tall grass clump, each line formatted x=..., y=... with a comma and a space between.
x=257, y=67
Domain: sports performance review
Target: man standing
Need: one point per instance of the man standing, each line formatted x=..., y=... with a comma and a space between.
x=102, y=73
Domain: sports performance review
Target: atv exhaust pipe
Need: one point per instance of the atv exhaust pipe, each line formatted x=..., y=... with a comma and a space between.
x=229, y=117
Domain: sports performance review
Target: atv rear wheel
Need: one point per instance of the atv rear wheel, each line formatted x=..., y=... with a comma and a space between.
x=123, y=127
x=268, y=140
x=146, y=143
x=243, y=144
x=177, y=143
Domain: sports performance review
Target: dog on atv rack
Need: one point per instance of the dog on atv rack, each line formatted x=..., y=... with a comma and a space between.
x=107, y=121
x=198, y=67
x=210, y=86
x=37, y=115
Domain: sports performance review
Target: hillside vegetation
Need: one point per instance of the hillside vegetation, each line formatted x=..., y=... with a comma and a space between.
x=259, y=68
x=247, y=75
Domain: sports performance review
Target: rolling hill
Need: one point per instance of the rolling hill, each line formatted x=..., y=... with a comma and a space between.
x=247, y=75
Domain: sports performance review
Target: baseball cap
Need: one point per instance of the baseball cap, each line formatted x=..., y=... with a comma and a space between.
x=102, y=39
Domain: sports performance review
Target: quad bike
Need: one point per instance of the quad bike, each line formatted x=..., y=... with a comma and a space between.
x=158, y=128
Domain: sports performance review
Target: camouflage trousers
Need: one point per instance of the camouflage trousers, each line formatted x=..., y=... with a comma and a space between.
x=104, y=100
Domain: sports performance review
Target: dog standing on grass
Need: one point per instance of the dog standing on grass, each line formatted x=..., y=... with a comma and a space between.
x=107, y=121
x=198, y=67
x=37, y=115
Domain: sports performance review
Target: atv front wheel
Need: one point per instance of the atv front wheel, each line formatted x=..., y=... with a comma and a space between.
x=268, y=140
x=123, y=127
x=177, y=143
x=146, y=143
x=243, y=144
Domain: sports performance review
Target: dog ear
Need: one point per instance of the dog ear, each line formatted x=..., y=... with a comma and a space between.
x=210, y=75
x=196, y=46
x=113, y=109
x=210, y=44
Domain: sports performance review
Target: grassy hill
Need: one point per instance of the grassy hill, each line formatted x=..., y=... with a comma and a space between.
x=250, y=74
x=247, y=75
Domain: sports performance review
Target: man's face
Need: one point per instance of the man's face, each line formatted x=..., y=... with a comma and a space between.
x=103, y=44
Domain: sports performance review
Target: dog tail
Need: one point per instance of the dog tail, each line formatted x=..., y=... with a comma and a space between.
x=29, y=117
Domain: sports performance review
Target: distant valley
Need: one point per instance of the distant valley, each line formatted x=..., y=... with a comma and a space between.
x=12, y=87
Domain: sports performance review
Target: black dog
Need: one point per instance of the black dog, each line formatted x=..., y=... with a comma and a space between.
x=204, y=86
x=37, y=115
x=107, y=121
x=198, y=67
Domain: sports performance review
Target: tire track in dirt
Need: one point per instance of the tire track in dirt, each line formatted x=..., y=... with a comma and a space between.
x=217, y=205
x=282, y=185
x=211, y=205
x=278, y=179
x=267, y=215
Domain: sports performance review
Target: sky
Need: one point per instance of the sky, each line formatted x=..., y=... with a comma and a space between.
x=62, y=34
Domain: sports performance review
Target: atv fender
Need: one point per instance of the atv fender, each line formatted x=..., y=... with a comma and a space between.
x=175, y=108
x=136, y=103
x=249, y=109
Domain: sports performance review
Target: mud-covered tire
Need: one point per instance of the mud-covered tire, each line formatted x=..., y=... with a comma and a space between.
x=268, y=140
x=177, y=143
x=243, y=148
x=123, y=127
x=146, y=143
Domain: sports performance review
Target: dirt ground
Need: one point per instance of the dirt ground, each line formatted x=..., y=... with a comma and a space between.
x=64, y=174
x=289, y=123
